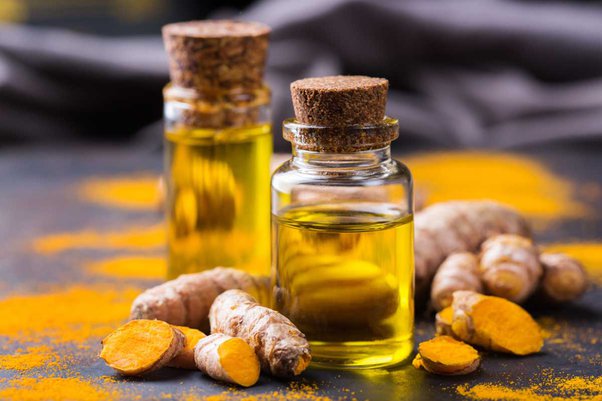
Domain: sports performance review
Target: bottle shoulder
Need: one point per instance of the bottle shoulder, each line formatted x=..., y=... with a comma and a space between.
x=389, y=173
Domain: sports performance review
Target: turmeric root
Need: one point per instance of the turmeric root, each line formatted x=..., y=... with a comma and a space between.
x=228, y=359
x=494, y=323
x=443, y=322
x=141, y=346
x=185, y=358
x=564, y=278
x=460, y=271
x=510, y=267
x=444, y=355
x=282, y=349
x=186, y=300
x=458, y=226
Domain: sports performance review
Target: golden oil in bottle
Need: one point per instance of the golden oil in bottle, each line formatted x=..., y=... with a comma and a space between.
x=218, y=146
x=344, y=276
x=218, y=198
x=342, y=228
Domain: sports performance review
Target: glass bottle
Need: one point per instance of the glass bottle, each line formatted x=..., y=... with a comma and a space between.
x=218, y=146
x=342, y=226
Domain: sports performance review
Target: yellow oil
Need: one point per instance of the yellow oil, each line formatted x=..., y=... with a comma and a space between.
x=218, y=199
x=344, y=274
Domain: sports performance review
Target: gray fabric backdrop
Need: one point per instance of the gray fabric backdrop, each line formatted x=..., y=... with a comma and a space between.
x=463, y=73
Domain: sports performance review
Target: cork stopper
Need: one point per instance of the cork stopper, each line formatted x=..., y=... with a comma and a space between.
x=219, y=54
x=340, y=114
x=340, y=101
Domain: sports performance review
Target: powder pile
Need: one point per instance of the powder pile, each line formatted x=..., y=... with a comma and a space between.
x=511, y=179
x=56, y=389
x=588, y=253
x=137, y=238
x=30, y=358
x=296, y=391
x=74, y=314
x=139, y=191
x=134, y=267
x=546, y=389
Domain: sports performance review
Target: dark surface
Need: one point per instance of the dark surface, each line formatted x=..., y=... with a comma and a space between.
x=38, y=197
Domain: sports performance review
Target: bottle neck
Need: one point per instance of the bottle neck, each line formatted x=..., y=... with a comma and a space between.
x=216, y=108
x=340, y=162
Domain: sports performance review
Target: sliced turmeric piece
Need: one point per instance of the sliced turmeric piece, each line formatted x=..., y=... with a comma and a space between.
x=229, y=359
x=185, y=358
x=282, y=349
x=444, y=355
x=141, y=346
x=443, y=322
x=494, y=323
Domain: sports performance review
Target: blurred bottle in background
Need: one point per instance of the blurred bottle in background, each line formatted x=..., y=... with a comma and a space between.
x=218, y=147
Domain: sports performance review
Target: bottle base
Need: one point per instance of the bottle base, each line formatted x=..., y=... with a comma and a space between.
x=360, y=354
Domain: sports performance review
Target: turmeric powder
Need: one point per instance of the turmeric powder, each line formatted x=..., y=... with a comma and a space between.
x=564, y=278
x=282, y=349
x=185, y=301
x=138, y=191
x=56, y=389
x=515, y=180
x=544, y=386
x=138, y=238
x=141, y=346
x=227, y=359
x=185, y=358
x=443, y=355
x=458, y=226
x=72, y=314
x=494, y=323
x=510, y=267
x=460, y=271
x=30, y=358
x=130, y=267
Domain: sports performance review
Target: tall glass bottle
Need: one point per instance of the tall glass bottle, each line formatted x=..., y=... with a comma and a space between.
x=218, y=145
x=342, y=226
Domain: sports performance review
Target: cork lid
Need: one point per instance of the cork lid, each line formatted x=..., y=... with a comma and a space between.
x=339, y=101
x=217, y=54
x=340, y=114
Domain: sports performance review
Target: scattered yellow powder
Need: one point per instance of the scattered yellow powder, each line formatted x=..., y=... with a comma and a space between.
x=593, y=385
x=129, y=238
x=588, y=253
x=515, y=180
x=56, y=389
x=296, y=391
x=130, y=192
x=73, y=314
x=561, y=336
x=548, y=389
x=135, y=267
x=30, y=358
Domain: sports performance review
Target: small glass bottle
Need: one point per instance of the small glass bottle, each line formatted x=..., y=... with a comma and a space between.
x=342, y=226
x=218, y=145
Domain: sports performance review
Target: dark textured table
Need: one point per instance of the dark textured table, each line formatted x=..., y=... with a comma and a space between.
x=40, y=198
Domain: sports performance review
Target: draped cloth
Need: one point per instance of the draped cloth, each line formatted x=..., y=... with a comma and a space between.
x=463, y=73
